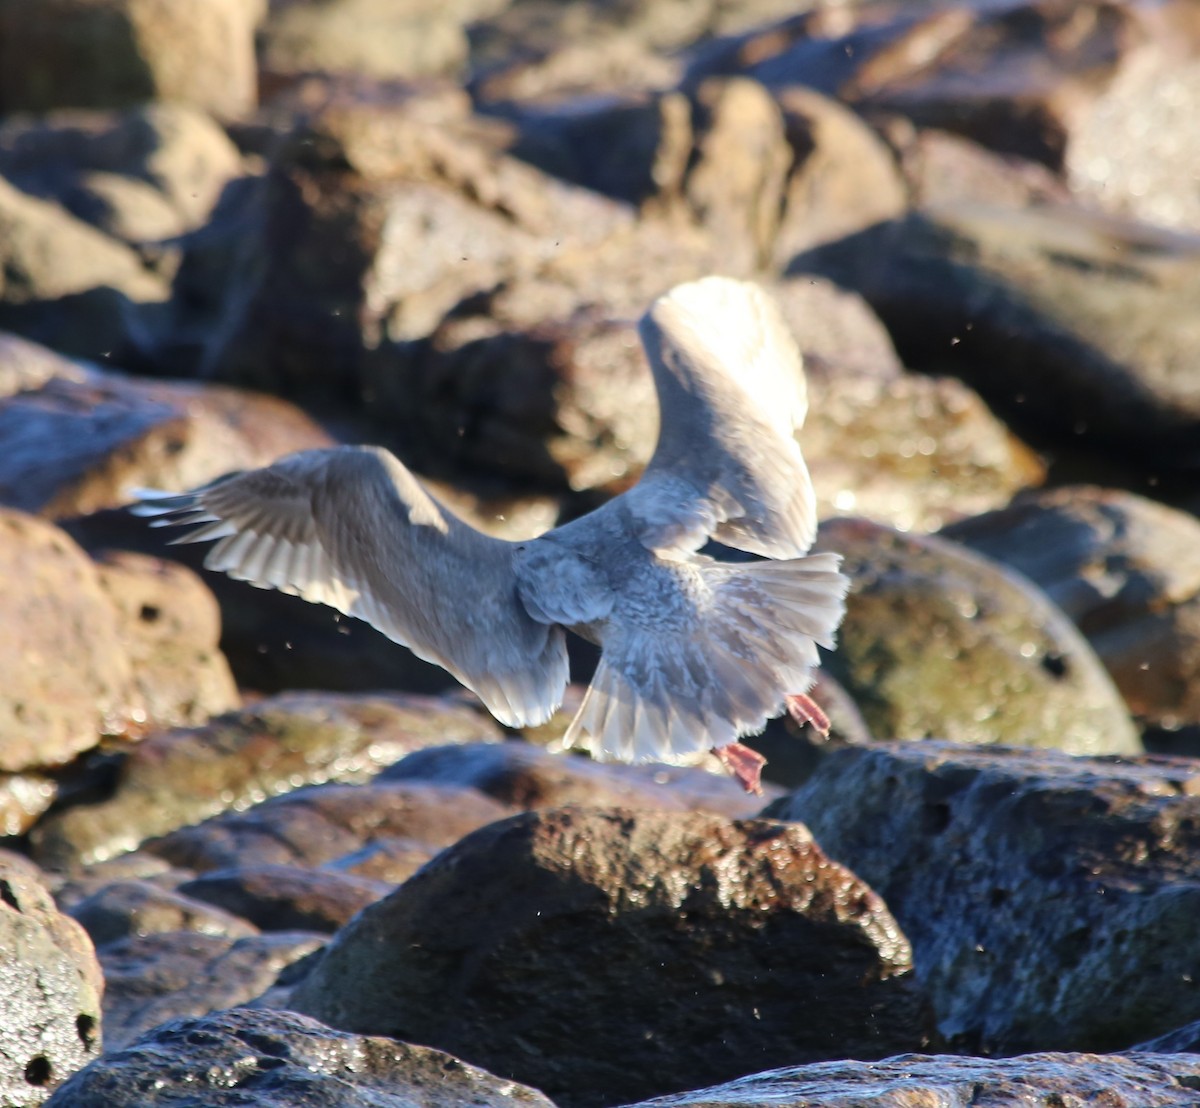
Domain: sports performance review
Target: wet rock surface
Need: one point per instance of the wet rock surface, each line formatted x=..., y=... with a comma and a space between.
x=623, y=913
x=1050, y=901
x=50, y=987
x=181, y=777
x=281, y=1058
x=940, y=642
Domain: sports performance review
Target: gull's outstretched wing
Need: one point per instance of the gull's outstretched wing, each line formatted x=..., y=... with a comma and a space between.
x=352, y=528
x=731, y=393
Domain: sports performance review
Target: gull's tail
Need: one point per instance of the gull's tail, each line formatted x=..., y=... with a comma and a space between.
x=664, y=695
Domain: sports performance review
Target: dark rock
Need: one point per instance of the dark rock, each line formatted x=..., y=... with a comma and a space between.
x=319, y=824
x=528, y=776
x=272, y=747
x=1127, y=571
x=941, y=642
x=909, y=450
x=50, y=988
x=283, y=1060
x=113, y=53
x=1051, y=900
x=64, y=683
x=1120, y=1080
x=150, y=979
x=605, y=955
x=287, y=898
x=168, y=625
x=1062, y=319
x=1183, y=1040
x=128, y=909
x=384, y=858
x=78, y=438
x=179, y=156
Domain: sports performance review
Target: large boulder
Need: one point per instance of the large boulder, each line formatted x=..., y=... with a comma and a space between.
x=606, y=954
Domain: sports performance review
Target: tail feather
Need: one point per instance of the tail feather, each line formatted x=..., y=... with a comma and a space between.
x=668, y=695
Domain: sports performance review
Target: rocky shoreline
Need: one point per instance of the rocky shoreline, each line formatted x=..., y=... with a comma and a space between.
x=257, y=854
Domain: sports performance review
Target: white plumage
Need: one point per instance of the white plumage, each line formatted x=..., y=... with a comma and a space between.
x=695, y=653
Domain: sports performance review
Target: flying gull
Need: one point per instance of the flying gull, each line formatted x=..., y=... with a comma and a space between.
x=695, y=653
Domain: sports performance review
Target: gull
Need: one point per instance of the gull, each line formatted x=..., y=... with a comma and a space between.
x=696, y=653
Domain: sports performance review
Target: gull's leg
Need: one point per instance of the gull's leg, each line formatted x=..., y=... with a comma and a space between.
x=803, y=709
x=745, y=764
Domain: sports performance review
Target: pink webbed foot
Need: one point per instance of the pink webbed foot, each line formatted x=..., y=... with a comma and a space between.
x=745, y=764
x=803, y=709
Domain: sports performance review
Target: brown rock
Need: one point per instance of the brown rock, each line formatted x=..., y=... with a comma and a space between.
x=23, y=798
x=63, y=460
x=65, y=682
x=941, y=642
x=125, y=909
x=112, y=53
x=169, y=626
x=272, y=747
x=322, y=823
x=644, y=953
x=50, y=988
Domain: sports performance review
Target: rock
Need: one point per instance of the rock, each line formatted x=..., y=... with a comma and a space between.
x=1051, y=901
x=843, y=180
x=1183, y=1040
x=23, y=798
x=1062, y=319
x=177, y=156
x=575, y=985
x=527, y=776
x=168, y=625
x=63, y=459
x=113, y=53
x=1122, y=1080
x=1127, y=571
x=941, y=642
x=287, y=898
x=280, y=743
x=371, y=38
x=278, y=1059
x=150, y=979
x=50, y=988
x=385, y=858
x=64, y=282
x=911, y=451
x=127, y=909
x=325, y=822
x=64, y=682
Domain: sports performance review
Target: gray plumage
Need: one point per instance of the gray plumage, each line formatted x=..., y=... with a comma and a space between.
x=695, y=653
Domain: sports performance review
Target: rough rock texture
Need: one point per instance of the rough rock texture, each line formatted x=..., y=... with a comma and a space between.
x=150, y=979
x=112, y=53
x=283, y=1060
x=272, y=747
x=528, y=776
x=64, y=682
x=1051, y=901
x=644, y=952
x=1116, y=1081
x=1063, y=318
x=1127, y=571
x=168, y=625
x=940, y=642
x=125, y=909
x=50, y=988
x=316, y=825
x=79, y=438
